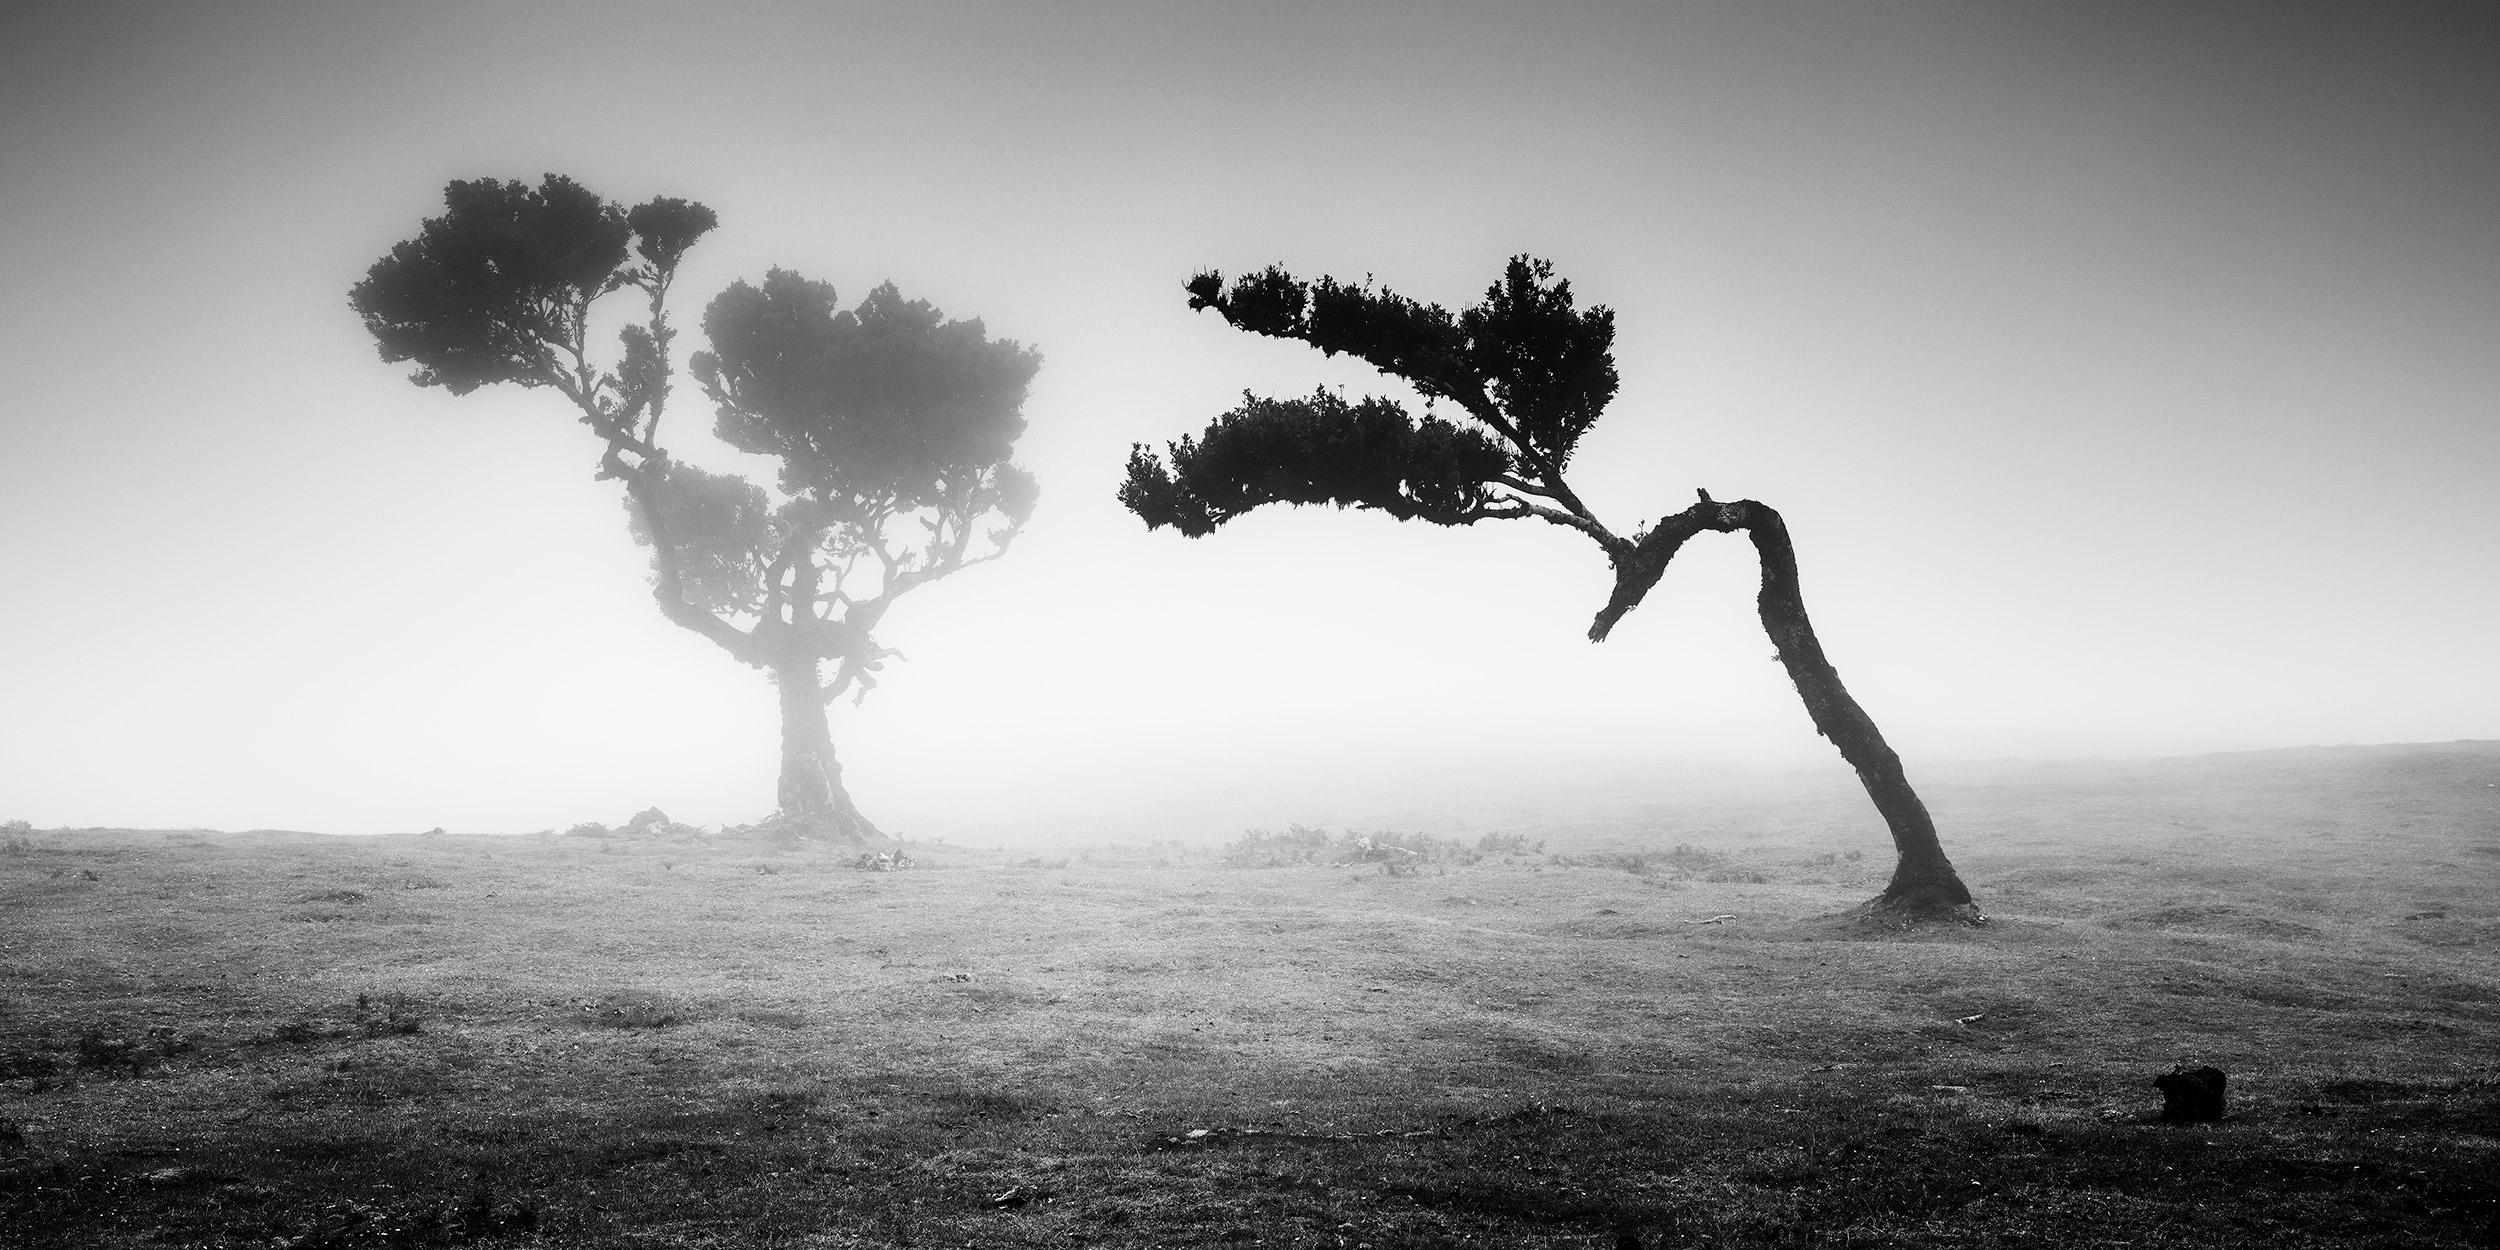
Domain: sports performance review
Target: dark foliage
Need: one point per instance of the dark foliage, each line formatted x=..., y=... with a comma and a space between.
x=722, y=528
x=489, y=291
x=665, y=227
x=885, y=401
x=1550, y=369
x=1525, y=362
x=1316, y=450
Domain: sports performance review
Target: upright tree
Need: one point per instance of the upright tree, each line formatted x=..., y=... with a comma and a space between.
x=893, y=425
x=1529, y=374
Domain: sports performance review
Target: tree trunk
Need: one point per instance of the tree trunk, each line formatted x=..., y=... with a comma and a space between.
x=811, y=793
x=1924, y=884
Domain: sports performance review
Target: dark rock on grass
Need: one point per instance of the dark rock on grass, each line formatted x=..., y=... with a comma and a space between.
x=2190, y=1095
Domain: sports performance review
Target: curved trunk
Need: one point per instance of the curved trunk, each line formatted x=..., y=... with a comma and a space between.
x=810, y=792
x=1924, y=883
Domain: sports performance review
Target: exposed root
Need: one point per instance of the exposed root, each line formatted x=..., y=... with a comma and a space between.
x=1895, y=913
x=842, y=827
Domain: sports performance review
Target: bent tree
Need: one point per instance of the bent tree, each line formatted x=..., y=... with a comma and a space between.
x=893, y=425
x=1530, y=374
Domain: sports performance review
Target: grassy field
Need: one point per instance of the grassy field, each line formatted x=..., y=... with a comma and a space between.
x=1652, y=1029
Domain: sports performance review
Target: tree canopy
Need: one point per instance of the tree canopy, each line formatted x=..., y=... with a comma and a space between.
x=887, y=400
x=499, y=289
x=1529, y=369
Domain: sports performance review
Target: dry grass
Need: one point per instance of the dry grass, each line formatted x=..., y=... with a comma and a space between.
x=283, y=1039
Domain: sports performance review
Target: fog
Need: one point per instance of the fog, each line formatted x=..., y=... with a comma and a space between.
x=2123, y=372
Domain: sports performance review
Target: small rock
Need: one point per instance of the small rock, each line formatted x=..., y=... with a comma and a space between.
x=2191, y=1094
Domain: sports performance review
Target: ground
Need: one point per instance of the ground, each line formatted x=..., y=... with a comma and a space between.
x=1657, y=1029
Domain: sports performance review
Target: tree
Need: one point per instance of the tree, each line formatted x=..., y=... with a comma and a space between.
x=893, y=425
x=1529, y=375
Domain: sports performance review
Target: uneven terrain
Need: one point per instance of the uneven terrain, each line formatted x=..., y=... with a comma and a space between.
x=1647, y=1025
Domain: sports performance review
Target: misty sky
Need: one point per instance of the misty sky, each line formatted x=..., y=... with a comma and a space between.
x=2129, y=375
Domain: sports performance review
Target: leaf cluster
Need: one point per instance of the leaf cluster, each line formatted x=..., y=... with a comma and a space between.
x=1529, y=369
x=499, y=288
x=1524, y=361
x=1322, y=449
x=721, y=528
x=887, y=400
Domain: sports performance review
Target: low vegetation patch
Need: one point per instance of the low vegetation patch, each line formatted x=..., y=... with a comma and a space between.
x=1397, y=852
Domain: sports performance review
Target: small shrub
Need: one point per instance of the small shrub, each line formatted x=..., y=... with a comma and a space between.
x=1690, y=860
x=589, y=829
x=1498, y=843
x=1637, y=864
x=1258, y=848
x=1399, y=854
x=1411, y=850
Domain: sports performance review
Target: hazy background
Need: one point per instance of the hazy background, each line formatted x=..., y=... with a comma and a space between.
x=2127, y=374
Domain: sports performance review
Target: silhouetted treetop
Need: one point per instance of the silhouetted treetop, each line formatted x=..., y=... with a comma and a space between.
x=498, y=288
x=885, y=400
x=1525, y=362
x=666, y=226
